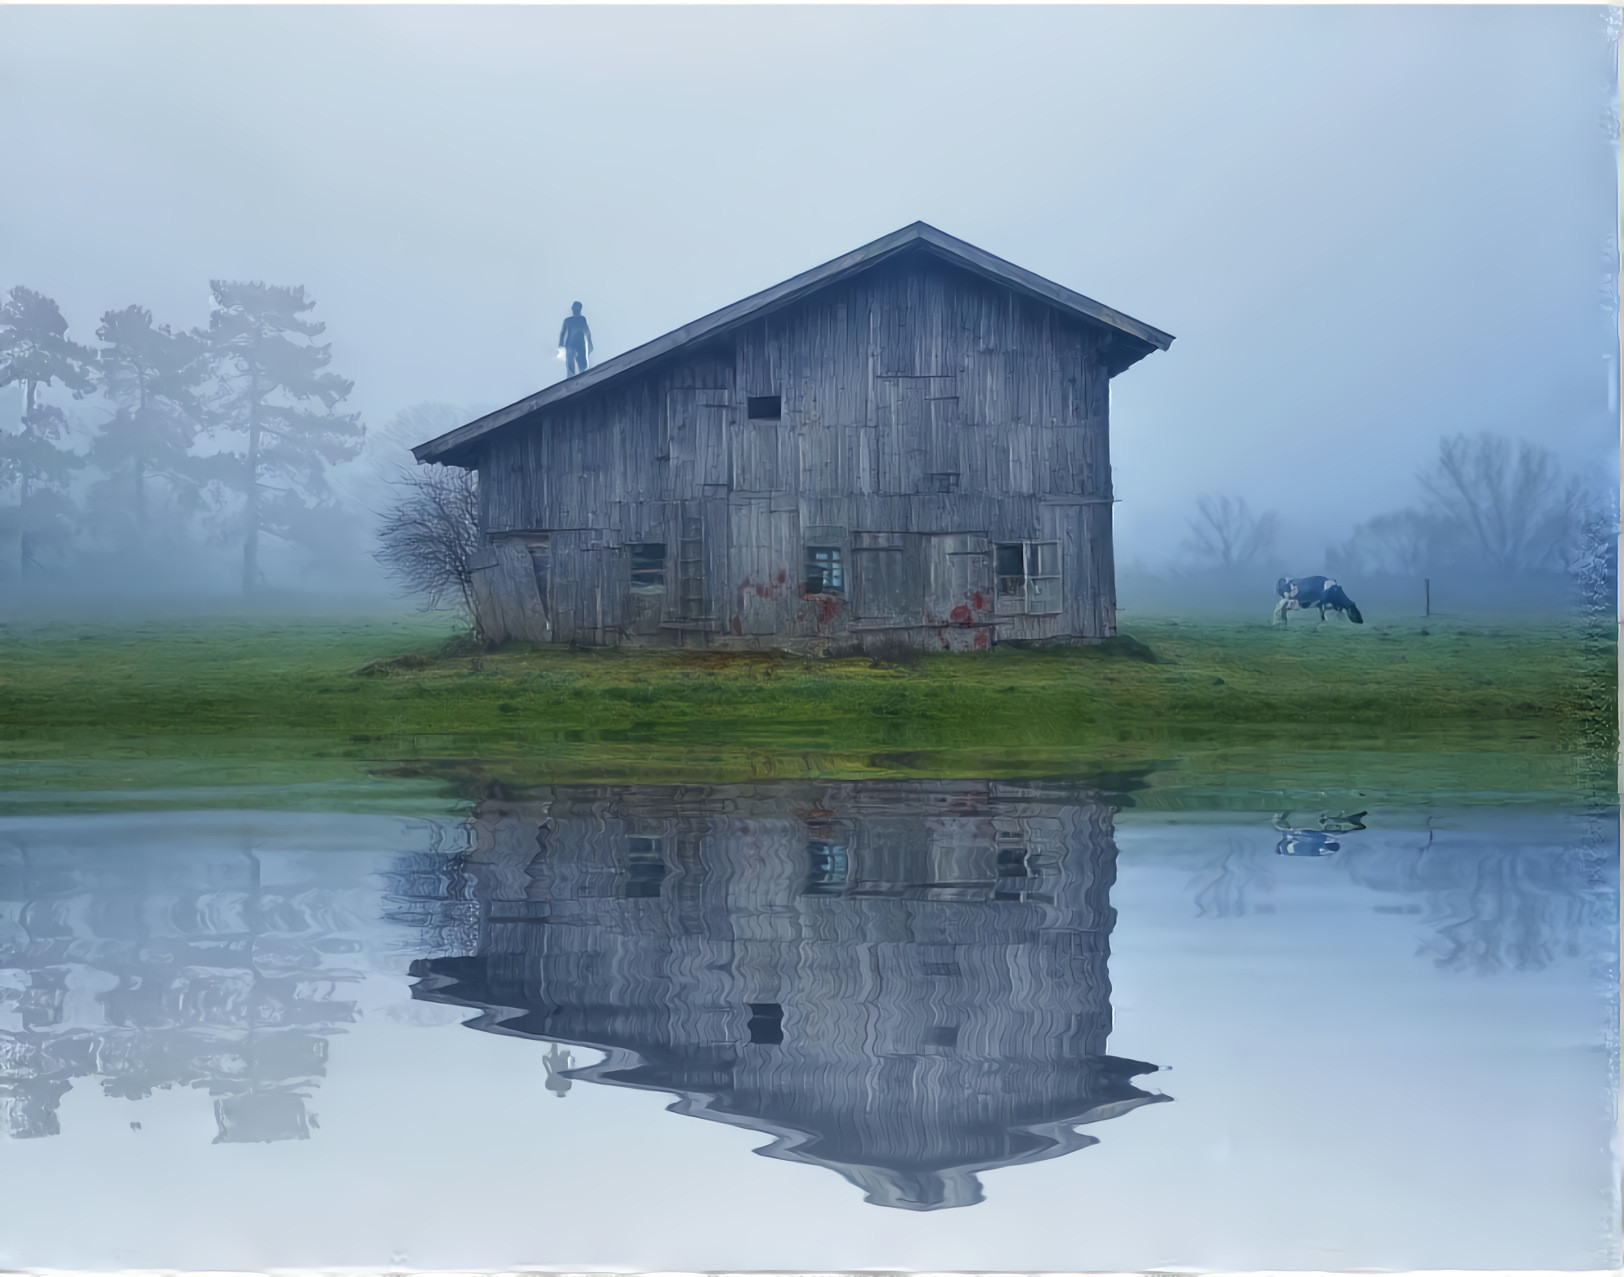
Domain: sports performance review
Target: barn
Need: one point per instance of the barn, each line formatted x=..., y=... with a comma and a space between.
x=907, y=445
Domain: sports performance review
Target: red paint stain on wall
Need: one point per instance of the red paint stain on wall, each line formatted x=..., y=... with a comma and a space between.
x=825, y=606
x=959, y=615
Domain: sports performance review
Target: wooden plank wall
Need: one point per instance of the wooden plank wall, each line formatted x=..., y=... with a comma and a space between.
x=917, y=400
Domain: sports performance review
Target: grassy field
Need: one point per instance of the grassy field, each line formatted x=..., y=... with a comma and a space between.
x=1523, y=705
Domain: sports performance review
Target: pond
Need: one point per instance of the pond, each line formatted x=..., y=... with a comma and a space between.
x=904, y=1024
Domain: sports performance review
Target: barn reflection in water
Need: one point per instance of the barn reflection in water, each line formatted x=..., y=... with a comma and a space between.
x=903, y=982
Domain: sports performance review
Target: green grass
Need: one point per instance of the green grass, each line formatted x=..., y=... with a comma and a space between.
x=1519, y=706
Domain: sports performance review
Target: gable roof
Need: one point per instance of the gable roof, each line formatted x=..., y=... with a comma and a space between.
x=1136, y=339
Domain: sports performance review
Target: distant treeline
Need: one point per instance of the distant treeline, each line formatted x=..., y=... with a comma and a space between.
x=221, y=436
x=1487, y=509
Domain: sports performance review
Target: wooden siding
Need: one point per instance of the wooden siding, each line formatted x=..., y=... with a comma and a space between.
x=918, y=401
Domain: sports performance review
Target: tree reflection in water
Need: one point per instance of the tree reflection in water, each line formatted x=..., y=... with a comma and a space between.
x=151, y=971
x=206, y=950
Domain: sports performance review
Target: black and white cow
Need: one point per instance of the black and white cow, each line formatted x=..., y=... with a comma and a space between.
x=1313, y=591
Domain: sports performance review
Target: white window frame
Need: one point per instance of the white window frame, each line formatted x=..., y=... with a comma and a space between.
x=1039, y=592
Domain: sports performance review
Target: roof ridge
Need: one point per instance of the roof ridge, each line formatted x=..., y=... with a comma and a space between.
x=787, y=292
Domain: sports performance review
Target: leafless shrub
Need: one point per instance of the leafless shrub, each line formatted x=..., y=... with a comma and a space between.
x=428, y=538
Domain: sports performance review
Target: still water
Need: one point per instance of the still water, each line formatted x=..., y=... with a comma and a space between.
x=818, y=1025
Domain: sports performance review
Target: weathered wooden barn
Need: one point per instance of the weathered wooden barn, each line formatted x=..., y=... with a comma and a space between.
x=907, y=444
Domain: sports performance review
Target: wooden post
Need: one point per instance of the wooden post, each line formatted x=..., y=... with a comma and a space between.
x=1429, y=595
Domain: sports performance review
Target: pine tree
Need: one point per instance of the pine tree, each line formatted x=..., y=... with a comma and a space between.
x=152, y=375
x=35, y=353
x=274, y=403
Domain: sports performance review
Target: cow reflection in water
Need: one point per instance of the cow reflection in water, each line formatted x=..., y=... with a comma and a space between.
x=903, y=983
x=1316, y=840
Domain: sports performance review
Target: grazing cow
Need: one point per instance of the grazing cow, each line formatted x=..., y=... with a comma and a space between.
x=1313, y=591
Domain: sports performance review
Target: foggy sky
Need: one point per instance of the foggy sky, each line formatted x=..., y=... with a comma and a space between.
x=1366, y=227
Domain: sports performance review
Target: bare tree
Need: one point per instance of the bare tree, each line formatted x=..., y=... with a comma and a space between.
x=429, y=535
x=1509, y=503
x=1401, y=543
x=1225, y=535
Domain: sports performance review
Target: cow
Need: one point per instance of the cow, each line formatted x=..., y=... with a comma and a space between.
x=1313, y=591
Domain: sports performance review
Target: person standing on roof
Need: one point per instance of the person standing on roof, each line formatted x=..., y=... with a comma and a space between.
x=576, y=340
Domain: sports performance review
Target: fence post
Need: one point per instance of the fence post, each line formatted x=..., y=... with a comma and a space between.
x=1429, y=595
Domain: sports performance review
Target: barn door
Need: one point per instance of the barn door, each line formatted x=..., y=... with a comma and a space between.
x=917, y=421
x=959, y=579
x=696, y=437
x=901, y=418
x=519, y=580
x=879, y=578
x=756, y=463
x=762, y=544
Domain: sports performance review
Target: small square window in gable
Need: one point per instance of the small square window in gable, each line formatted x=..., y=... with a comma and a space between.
x=764, y=407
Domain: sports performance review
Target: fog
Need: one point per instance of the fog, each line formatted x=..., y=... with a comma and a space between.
x=1368, y=228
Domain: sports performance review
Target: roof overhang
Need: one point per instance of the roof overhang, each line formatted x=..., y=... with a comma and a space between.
x=1133, y=340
